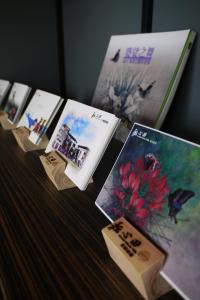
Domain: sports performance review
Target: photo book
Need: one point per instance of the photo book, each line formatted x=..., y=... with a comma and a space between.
x=154, y=184
x=4, y=87
x=139, y=77
x=16, y=100
x=39, y=114
x=81, y=137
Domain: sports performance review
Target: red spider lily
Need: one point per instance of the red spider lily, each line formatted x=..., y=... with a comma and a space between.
x=158, y=185
x=142, y=213
x=139, y=203
x=124, y=182
x=135, y=201
x=134, y=181
x=156, y=205
x=142, y=202
x=125, y=169
x=139, y=166
x=120, y=195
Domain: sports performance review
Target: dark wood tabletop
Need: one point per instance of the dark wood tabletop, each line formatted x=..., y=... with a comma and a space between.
x=51, y=246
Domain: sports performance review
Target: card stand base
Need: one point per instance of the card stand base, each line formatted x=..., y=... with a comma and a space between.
x=2, y=113
x=21, y=135
x=55, y=166
x=4, y=121
x=137, y=257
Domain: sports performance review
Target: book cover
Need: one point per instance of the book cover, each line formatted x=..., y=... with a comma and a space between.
x=81, y=137
x=39, y=114
x=139, y=76
x=154, y=183
x=16, y=101
x=4, y=87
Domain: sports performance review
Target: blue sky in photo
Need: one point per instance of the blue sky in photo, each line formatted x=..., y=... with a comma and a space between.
x=80, y=127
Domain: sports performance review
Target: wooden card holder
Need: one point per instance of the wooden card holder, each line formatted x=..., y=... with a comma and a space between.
x=4, y=121
x=137, y=257
x=55, y=166
x=21, y=135
x=2, y=113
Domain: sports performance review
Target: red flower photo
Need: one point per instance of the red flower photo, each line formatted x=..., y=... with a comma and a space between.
x=141, y=190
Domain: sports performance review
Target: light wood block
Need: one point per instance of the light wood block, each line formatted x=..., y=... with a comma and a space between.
x=2, y=113
x=137, y=257
x=21, y=135
x=55, y=166
x=4, y=121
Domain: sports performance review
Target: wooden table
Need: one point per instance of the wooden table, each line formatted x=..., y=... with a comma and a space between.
x=51, y=246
